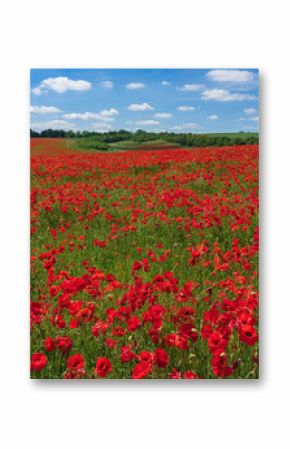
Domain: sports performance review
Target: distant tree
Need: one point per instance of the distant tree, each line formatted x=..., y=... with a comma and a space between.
x=34, y=133
x=70, y=134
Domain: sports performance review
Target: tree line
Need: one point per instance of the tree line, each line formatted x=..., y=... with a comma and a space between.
x=101, y=140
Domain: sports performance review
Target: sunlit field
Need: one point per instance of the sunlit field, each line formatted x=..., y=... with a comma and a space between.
x=144, y=263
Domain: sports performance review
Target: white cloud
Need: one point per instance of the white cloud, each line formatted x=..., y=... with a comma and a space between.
x=140, y=107
x=250, y=128
x=36, y=91
x=106, y=115
x=255, y=118
x=107, y=84
x=109, y=112
x=241, y=119
x=52, y=124
x=225, y=95
x=190, y=87
x=81, y=116
x=250, y=114
x=165, y=83
x=212, y=117
x=186, y=126
x=101, y=127
x=43, y=109
x=250, y=111
x=147, y=123
x=230, y=75
x=162, y=115
x=185, y=108
x=135, y=86
x=61, y=84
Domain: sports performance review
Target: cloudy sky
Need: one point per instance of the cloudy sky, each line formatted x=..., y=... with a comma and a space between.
x=178, y=100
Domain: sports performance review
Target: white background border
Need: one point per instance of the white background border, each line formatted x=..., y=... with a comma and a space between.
x=126, y=33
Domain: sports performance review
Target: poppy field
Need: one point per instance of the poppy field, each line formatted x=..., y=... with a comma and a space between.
x=144, y=263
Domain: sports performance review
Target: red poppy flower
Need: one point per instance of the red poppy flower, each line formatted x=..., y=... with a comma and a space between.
x=99, y=328
x=216, y=342
x=103, y=367
x=133, y=323
x=126, y=354
x=73, y=324
x=248, y=334
x=161, y=358
x=190, y=375
x=75, y=362
x=175, y=374
x=141, y=370
x=189, y=332
x=64, y=344
x=110, y=343
x=49, y=344
x=145, y=356
x=118, y=331
x=220, y=367
x=84, y=315
x=38, y=361
x=206, y=331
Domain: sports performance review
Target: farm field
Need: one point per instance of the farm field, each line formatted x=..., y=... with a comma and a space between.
x=144, y=264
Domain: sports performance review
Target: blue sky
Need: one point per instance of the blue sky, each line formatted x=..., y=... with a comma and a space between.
x=175, y=100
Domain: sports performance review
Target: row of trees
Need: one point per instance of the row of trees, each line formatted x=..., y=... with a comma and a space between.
x=100, y=140
x=113, y=136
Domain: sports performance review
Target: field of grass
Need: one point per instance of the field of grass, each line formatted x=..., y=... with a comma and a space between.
x=92, y=144
x=131, y=145
x=99, y=143
x=144, y=264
